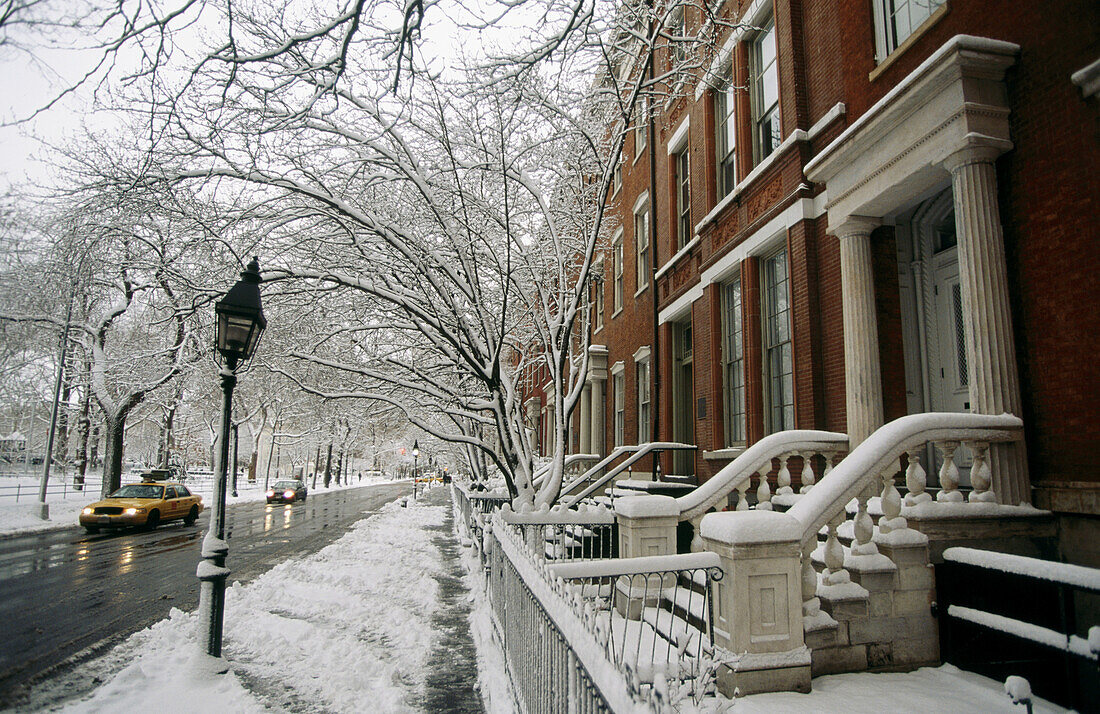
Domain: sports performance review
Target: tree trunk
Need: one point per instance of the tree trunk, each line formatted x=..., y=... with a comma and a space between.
x=328, y=466
x=82, y=427
x=93, y=456
x=167, y=439
x=115, y=428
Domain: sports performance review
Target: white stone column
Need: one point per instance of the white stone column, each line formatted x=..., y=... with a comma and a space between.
x=983, y=274
x=599, y=405
x=862, y=373
x=586, y=419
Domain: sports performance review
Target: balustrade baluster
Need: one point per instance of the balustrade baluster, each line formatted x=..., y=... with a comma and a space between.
x=783, y=478
x=829, y=457
x=835, y=574
x=811, y=604
x=864, y=527
x=891, y=505
x=949, y=475
x=743, y=494
x=916, y=480
x=763, y=493
x=981, y=477
x=807, y=475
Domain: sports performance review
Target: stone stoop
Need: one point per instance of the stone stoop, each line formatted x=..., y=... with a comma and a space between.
x=883, y=617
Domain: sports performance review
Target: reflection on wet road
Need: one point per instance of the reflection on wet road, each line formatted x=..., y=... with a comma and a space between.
x=64, y=591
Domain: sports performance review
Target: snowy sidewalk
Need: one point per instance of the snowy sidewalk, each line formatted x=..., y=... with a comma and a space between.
x=374, y=622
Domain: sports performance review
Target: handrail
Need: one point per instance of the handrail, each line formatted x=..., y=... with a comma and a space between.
x=882, y=448
x=636, y=451
x=752, y=460
x=570, y=460
x=634, y=566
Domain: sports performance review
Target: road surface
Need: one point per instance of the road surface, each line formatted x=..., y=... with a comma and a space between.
x=66, y=596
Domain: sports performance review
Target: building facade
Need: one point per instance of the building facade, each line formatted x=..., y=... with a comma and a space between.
x=864, y=209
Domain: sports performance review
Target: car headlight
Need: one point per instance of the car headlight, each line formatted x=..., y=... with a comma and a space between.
x=288, y=494
x=271, y=494
x=87, y=511
x=133, y=511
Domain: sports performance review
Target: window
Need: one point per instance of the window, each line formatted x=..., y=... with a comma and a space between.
x=643, y=402
x=895, y=21
x=778, y=370
x=764, y=87
x=617, y=267
x=733, y=363
x=641, y=244
x=617, y=178
x=619, y=385
x=641, y=127
x=678, y=44
x=683, y=199
x=725, y=135
x=597, y=299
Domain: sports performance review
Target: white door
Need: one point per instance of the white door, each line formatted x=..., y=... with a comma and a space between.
x=949, y=373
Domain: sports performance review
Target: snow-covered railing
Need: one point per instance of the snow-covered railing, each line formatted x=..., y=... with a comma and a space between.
x=757, y=461
x=657, y=611
x=556, y=649
x=1000, y=607
x=633, y=454
x=558, y=533
x=573, y=466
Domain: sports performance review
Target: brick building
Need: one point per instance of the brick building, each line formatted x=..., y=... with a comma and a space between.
x=866, y=210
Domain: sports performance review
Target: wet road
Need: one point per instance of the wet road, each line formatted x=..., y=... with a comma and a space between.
x=66, y=592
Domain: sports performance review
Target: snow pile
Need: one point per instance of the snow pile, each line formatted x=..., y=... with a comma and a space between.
x=346, y=629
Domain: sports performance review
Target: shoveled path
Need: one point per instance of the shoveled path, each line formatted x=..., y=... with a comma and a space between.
x=451, y=684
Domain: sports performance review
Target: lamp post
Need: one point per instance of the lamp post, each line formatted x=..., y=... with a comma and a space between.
x=416, y=470
x=239, y=324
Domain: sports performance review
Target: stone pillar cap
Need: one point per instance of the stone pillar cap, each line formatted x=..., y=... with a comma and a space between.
x=646, y=506
x=748, y=527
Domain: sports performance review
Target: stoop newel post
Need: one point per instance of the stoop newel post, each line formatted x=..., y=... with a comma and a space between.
x=647, y=526
x=758, y=619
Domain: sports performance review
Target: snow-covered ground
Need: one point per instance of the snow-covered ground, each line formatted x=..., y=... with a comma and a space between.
x=349, y=629
x=64, y=503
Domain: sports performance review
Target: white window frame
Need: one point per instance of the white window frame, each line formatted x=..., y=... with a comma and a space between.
x=641, y=127
x=642, y=253
x=733, y=363
x=618, y=390
x=617, y=272
x=777, y=343
x=898, y=20
x=597, y=303
x=682, y=167
x=642, y=379
x=677, y=27
x=725, y=134
x=758, y=73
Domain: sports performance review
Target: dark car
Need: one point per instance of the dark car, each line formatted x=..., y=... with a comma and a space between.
x=287, y=492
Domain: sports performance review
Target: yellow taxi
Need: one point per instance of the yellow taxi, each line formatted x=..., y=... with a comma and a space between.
x=146, y=504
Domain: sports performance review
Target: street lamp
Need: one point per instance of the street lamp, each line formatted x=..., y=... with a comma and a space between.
x=416, y=470
x=240, y=322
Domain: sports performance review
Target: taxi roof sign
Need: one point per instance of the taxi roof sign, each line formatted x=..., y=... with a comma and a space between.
x=155, y=475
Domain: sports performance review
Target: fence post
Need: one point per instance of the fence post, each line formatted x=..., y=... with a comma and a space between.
x=759, y=618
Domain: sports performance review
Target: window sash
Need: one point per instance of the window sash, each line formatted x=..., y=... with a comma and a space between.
x=620, y=408
x=764, y=86
x=896, y=20
x=726, y=137
x=617, y=264
x=733, y=356
x=641, y=243
x=683, y=199
x=641, y=128
x=778, y=366
x=643, y=402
